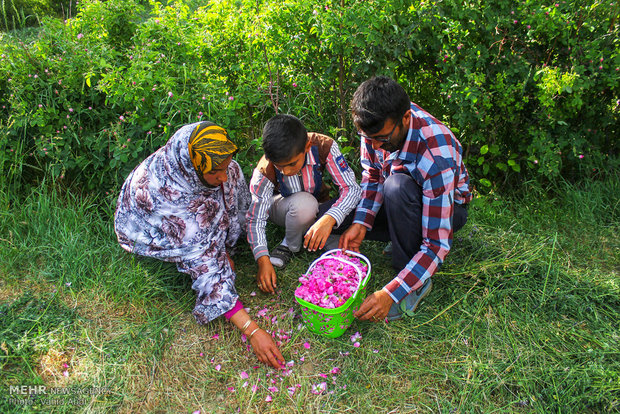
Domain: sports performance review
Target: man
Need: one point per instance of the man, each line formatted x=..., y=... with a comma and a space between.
x=415, y=189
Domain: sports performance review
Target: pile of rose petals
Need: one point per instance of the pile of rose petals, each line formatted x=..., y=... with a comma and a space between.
x=330, y=282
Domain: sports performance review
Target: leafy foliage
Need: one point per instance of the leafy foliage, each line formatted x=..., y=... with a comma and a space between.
x=529, y=88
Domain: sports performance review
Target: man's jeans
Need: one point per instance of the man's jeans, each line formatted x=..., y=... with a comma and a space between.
x=400, y=218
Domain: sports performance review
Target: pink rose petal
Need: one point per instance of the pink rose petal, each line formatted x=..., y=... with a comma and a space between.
x=307, y=345
x=218, y=367
x=244, y=375
x=268, y=398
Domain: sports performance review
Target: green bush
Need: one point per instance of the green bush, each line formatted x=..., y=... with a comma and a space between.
x=530, y=89
x=17, y=14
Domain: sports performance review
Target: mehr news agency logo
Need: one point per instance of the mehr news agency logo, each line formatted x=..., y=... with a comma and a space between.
x=43, y=395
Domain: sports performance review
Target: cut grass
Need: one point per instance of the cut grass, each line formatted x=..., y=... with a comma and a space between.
x=523, y=317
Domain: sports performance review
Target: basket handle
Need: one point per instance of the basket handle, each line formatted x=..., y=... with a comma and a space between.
x=350, y=252
x=327, y=255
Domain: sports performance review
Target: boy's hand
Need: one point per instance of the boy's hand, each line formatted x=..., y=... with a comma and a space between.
x=266, y=276
x=317, y=234
x=353, y=237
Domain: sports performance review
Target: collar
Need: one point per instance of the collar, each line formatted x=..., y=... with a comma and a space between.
x=407, y=152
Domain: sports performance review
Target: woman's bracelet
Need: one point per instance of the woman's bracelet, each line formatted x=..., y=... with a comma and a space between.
x=252, y=334
x=245, y=326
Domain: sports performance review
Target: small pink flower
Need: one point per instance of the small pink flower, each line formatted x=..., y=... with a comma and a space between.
x=216, y=336
x=170, y=94
x=529, y=27
x=294, y=85
x=196, y=412
x=307, y=345
x=218, y=367
x=357, y=344
x=81, y=35
x=268, y=398
x=231, y=98
x=122, y=118
x=65, y=373
x=335, y=370
x=244, y=375
x=201, y=354
x=319, y=388
x=516, y=21
x=231, y=389
x=581, y=156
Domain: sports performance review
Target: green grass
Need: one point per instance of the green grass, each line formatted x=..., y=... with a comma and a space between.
x=523, y=317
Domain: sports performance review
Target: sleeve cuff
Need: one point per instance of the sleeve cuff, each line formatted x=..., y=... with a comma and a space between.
x=238, y=306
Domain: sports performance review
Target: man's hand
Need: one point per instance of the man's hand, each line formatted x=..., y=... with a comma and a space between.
x=375, y=307
x=317, y=235
x=353, y=237
x=266, y=350
x=266, y=276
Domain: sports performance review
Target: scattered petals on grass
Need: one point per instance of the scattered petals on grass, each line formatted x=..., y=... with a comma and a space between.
x=307, y=345
x=335, y=370
x=216, y=336
x=231, y=389
x=273, y=389
x=244, y=375
x=268, y=398
x=201, y=354
x=218, y=367
x=357, y=344
x=196, y=412
x=291, y=390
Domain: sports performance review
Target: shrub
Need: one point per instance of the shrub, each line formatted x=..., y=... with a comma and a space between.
x=522, y=85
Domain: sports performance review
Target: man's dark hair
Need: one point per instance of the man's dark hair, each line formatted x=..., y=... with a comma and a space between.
x=284, y=136
x=376, y=100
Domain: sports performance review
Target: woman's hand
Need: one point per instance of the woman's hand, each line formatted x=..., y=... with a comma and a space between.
x=317, y=234
x=232, y=264
x=266, y=350
x=266, y=276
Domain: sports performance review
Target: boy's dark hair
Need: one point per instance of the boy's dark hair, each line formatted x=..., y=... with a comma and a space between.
x=284, y=136
x=376, y=100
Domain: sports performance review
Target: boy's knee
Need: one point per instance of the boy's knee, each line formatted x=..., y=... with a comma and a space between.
x=304, y=206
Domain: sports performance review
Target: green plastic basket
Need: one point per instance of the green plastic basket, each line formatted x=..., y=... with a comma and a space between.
x=333, y=322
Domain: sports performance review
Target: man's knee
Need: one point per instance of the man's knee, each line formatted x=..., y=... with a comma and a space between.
x=401, y=187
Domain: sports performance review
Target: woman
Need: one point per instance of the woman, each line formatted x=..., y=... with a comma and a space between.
x=185, y=203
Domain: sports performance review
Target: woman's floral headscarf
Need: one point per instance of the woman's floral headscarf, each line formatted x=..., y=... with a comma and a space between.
x=209, y=146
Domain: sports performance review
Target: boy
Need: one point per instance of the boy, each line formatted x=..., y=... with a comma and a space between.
x=287, y=187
